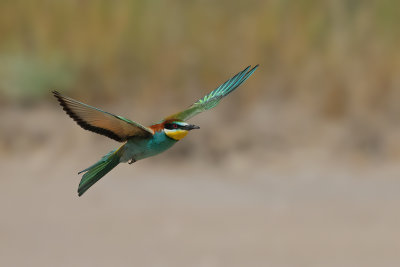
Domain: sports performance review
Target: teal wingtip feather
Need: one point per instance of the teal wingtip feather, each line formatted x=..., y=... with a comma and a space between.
x=230, y=85
x=212, y=99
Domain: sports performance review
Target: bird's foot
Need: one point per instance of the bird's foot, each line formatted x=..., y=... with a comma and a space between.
x=132, y=160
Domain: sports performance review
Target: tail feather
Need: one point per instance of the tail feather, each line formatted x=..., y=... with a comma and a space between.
x=98, y=170
x=104, y=158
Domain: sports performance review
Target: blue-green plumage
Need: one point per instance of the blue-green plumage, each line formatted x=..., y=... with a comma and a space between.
x=141, y=141
x=140, y=148
x=134, y=149
x=97, y=171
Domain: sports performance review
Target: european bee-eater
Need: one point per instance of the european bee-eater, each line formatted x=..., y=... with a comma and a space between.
x=139, y=141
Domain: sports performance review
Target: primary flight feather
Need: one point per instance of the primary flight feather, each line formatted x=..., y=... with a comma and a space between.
x=140, y=141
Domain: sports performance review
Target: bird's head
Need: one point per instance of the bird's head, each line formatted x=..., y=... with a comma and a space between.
x=178, y=129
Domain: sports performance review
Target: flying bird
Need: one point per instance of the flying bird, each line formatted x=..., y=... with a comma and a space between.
x=139, y=141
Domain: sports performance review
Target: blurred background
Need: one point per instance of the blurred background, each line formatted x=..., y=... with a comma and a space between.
x=299, y=167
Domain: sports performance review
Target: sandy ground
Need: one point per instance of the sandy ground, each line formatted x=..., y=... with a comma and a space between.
x=302, y=207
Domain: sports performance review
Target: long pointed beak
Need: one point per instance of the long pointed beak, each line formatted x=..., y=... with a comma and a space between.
x=191, y=127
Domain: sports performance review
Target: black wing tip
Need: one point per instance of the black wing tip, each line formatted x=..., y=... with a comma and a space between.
x=83, y=123
x=57, y=94
x=254, y=68
x=247, y=69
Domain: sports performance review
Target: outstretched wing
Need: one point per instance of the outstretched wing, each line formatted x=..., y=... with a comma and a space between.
x=101, y=122
x=213, y=98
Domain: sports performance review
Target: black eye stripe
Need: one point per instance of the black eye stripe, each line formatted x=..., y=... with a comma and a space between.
x=176, y=126
x=172, y=126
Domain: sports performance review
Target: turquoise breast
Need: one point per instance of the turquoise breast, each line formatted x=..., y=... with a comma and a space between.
x=140, y=148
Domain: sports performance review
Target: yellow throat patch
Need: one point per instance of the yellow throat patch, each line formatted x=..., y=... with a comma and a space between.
x=176, y=134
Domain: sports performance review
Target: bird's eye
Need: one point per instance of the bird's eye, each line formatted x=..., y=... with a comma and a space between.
x=175, y=126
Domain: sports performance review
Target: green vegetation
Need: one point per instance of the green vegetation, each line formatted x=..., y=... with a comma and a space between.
x=337, y=57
